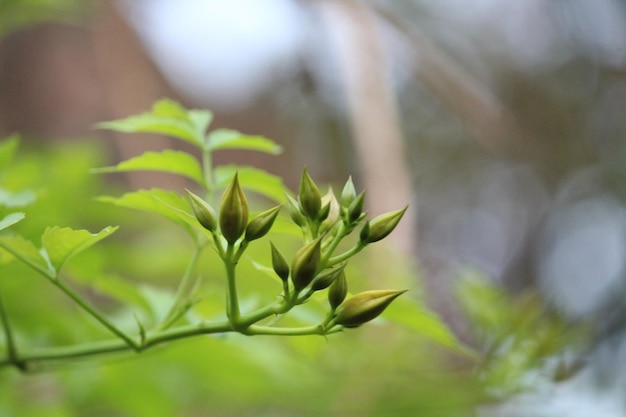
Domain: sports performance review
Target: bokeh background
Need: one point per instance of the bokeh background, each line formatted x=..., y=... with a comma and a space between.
x=502, y=123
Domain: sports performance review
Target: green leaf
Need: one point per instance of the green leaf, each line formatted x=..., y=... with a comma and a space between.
x=232, y=139
x=427, y=324
x=26, y=251
x=125, y=291
x=8, y=148
x=19, y=199
x=10, y=220
x=167, y=118
x=165, y=203
x=175, y=162
x=61, y=243
x=253, y=179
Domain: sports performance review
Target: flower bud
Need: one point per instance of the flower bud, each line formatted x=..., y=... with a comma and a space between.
x=382, y=225
x=261, y=224
x=279, y=263
x=348, y=194
x=309, y=195
x=305, y=263
x=294, y=211
x=203, y=211
x=233, y=212
x=329, y=200
x=338, y=290
x=325, y=278
x=356, y=208
x=365, y=306
x=365, y=232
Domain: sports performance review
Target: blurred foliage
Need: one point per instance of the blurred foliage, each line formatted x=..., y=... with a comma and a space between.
x=393, y=369
x=18, y=14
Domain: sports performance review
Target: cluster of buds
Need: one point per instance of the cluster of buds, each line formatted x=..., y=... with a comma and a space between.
x=325, y=221
x=233, y=215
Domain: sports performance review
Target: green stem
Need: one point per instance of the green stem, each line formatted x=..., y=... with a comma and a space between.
x=346, y=255
x=232, y=298
x=31, y=360
x=12, y=356
x=183, y=287
x=96, y=315
x=341, y=233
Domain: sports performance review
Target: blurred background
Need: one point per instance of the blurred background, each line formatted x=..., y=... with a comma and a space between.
x=502, y=123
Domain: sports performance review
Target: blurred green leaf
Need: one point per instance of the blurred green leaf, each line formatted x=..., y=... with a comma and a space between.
x=175, y=162
x=27, y=252
x=232, y=139
x=253, y=179
x=167, y=117
x=18, y=199
x=11, y=219
x=61, y=243
x=427, y=324
x=165, y=203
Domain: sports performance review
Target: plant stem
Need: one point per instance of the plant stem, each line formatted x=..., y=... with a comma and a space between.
x=12, y=356
x=346, y=255
x=232, y=298
x=341, y=233
x=29, y=360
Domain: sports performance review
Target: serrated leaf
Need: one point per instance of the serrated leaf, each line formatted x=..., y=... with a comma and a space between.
x=61, y=243
x=232, y=139
x=26, y=251
x=18, y=199
x=11, y=219
x=175, y=162
x=167, y=118
x=8, y=148
x=165, y=203
x=425, y=323
x=253, y=179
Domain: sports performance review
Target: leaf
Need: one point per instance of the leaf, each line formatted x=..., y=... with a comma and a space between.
x=175, y=162
x=253, y=179
x=124, y=291
x=425, y=323
x=165, y=203
x=167, y=118
x=26, y=251
x=8, y=148
x=11, y=219
x=61, y=243
x=232, y=139
x=19, y=199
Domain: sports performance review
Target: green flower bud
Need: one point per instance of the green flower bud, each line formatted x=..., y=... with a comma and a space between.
x=279, y=263
x=261, y=224
x=233, y=212
x=325, y=278
x=330, y=201
x=338, y=290
x=356, y=208
x=382, y=225
x=365, y=232
x=309, y=195
x=204, y=212
x=294, y=211
x=348, y=194
x=365, y=306
x=305, y=263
